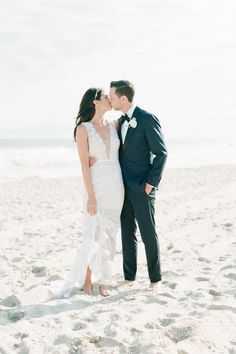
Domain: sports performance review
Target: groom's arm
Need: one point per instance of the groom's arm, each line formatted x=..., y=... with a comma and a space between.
x=155, y=139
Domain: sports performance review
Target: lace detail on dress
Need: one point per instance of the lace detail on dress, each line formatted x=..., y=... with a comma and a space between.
x=106, y=142
x=97, y=145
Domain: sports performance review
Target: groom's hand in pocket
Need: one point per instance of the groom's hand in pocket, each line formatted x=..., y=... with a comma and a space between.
x=148, y=188
x=92, y=160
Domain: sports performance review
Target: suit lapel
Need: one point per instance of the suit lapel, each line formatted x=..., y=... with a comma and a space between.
x=119, y=129
x=119, y=133
x=129, y=133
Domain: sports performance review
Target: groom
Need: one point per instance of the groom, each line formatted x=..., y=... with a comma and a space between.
x=142, y=158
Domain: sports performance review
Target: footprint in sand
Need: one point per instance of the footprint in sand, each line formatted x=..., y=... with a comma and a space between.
x=222, y=308
x=135, y=331
x=54, y=277
x=39, y=271
x=90, y=319
x=10, y=301
x=229, y=266
x=22, y=348
x=228, y=225
x=177, y=251
x=110, y=330
x=193, y=295
x=62, y=339
x=207, y=269
x=31, y=287
x=200, y=279
x=21, y=335
x=154, y=300
x=152, y=325
x=170, y=246
x=214, y=292
x=222, y=259
x=231, y=276
x=232, y=351
x=173, y=314
x=106, y=343
x=170, y=274
x=202, y=259
x=196, y=314
x=169, y=285
x=167, y=295
x=17, y=259
x=182, y=351
x=15, y=316
x=90, y=344
x=79, y=325
x=181, y=332
x=103, y=311
x=115, y=317
x=4, y=258
x=167, y=322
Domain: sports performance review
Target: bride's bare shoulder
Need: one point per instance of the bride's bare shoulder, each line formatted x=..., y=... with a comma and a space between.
x=81, y=130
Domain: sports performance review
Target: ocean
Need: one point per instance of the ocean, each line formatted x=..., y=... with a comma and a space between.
x=59, y=158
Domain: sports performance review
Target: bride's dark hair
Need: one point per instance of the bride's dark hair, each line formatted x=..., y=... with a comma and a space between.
x=87, y=107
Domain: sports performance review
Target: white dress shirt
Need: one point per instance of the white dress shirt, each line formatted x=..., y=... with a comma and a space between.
x=125, y=125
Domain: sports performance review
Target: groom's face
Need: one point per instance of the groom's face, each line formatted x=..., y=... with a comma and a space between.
x=115, y=100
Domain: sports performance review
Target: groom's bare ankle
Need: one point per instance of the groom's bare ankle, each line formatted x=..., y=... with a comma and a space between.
x=154, y=286
x=128, y=282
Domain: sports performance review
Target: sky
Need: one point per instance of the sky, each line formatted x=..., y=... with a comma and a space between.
x=179, y=54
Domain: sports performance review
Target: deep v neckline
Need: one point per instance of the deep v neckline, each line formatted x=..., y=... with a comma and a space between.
x=107, y=146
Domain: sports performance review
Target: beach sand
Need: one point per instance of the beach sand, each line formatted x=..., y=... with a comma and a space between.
x=194, y=310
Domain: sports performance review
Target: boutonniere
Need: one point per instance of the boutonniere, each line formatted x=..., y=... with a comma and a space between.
x=133, y=122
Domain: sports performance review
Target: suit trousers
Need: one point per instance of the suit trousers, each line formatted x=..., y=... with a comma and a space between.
x=140, y=207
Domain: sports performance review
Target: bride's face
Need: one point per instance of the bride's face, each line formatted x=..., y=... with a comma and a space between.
x=104, y=103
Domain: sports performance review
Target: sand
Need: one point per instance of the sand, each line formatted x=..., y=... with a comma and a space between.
x=194, y=310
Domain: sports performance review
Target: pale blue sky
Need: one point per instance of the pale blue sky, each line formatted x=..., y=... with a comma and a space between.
x=180, y=55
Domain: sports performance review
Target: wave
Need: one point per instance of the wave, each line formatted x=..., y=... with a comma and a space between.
x=60, y=158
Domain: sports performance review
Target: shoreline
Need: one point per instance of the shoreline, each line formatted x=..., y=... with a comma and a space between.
x=79, y=176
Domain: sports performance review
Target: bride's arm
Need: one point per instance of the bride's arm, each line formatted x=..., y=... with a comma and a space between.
x=83, y=150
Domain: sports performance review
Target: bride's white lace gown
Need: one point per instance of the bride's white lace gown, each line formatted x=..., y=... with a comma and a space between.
x=100, y=230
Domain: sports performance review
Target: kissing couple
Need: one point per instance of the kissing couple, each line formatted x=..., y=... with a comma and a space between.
x=122, y=163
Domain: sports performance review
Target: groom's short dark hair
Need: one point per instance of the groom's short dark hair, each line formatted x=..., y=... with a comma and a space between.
x=124, y=88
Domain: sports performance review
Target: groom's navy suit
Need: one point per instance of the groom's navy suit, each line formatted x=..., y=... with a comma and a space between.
x=138, y=169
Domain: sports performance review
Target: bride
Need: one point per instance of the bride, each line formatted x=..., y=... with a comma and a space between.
x=103, y=194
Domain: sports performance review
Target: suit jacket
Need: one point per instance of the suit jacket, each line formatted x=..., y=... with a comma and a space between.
x=134, y=154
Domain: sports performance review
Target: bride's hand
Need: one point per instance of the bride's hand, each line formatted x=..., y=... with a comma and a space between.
x=92, y=160
x=92, y=206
